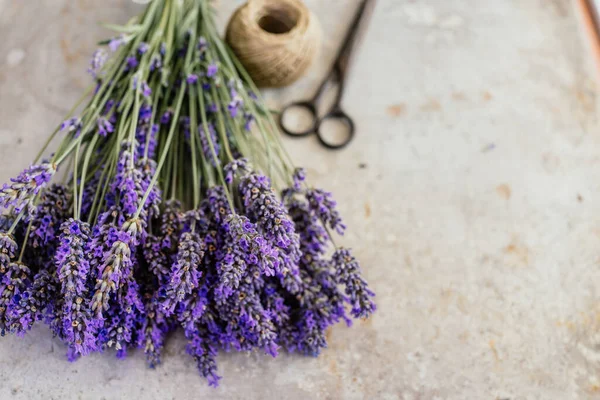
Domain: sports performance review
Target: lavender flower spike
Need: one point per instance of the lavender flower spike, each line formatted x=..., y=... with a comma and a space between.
x=115, y=262
x=8, y=248
x=184, y=275
x=348, y=273
x=73, y=267
x=33, y=303
x=322, y=203
x=13, y=284
x=22, y=189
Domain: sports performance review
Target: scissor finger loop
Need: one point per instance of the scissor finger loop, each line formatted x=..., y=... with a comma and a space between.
x=306, y=106
x=328, y=137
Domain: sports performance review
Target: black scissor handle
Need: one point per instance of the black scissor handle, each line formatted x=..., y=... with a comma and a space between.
x=306, y=105
x=340, y=116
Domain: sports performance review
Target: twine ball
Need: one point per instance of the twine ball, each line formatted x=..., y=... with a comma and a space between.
x=275, y=40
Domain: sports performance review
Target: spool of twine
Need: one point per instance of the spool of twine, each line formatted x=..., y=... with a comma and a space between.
x=275, y=40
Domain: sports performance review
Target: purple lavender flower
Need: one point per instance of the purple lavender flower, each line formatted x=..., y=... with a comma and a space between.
x=184, y=122
x=8, y=248
x=127, y=184
x=206, y=145
x=154, y=330
x=202, y=44
x=121, y=320
x=204, y=352
x=184, y=273
x=248, y=323
x=12, y=286
x=143, y=48
x=248, y=119
x=146, y=91
x=236, y=168
x=236, y=101
x=132, y=62
x=50, y=213
x=150, y=207
x=73, y=267
x=33, y=304
x=192, y=79
x=115, y=43
x=116, y=265
x=274, y=223
x=97, y=62
x=72, y=125
x=22, y=189
x=243, y=247
x=322, y=203
x=299, y=177
x=314, y=240
x=212, y=70
x=104, y=127
x=348, y=274
x=146, y=137
x=166, y=117
x=171, y=225
x=145, y=114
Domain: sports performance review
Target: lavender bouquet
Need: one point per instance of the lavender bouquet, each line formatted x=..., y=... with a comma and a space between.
x=177, y=207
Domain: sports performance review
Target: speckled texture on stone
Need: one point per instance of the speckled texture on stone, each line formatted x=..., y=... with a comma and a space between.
x=476, y=213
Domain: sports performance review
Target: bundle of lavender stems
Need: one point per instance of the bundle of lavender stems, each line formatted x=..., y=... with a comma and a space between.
x=176, y=207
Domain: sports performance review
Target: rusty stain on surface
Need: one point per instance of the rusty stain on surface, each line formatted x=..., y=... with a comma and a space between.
x=492, y=345
x=396, y=110
x=367, y=210
x=64, y=47
x=504, y=191
x=459, y=96
x=520, y=251
x=586, y=99
x=431, y=105
x=486, y=96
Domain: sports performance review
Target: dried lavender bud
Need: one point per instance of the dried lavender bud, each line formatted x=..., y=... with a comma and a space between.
x=348, y=274
x=127, y=184
x=22, y=189
x=115, y=266
x=243, y=247
x=34, y=303
x=207, y=150
x=97, y=62
x=116, y=42
x=274, y=223
x=236, y=168
x=215, y=205
x=154, y=329
x=310, y=338
x=150, y=208
x=73, y=268
x=8, y=248
x=122, y=318
x=51, y=211
x=203, y=350
x=13, y=284
x=314, y=240
x=171, y=224
x=322, y=203
x=184, y=274
x=72, y=125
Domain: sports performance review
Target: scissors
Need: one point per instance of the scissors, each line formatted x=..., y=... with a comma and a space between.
x=338, y=75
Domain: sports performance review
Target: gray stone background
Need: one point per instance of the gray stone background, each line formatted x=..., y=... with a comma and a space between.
x=476, y=218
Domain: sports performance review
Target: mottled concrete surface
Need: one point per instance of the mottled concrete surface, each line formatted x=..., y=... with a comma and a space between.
x=476, y=216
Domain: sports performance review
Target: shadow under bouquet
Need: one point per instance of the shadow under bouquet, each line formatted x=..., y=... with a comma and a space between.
x=176, y=207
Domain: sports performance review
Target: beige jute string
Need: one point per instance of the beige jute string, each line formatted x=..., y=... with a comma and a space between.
x=275, y=40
